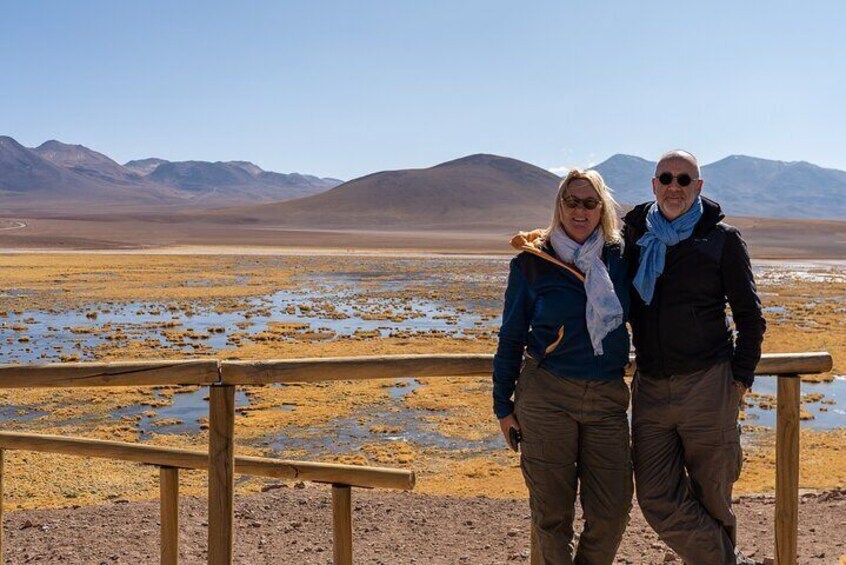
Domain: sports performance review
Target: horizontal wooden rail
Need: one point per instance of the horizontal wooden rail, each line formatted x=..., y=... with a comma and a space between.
x=124, y=373
x=252, y=372
x=332, y=473
x=794, y=363
x=353, y=368
x=420, y=366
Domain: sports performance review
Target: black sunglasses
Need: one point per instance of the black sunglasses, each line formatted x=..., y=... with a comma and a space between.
x=683, y=179
x=588, y=203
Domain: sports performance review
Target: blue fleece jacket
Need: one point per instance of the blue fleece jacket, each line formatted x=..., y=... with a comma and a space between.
x=544, y=316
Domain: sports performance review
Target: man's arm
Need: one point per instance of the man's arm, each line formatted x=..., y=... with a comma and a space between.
x=742, y=294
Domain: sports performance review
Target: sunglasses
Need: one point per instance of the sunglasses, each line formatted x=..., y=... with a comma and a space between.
x=572, y=202
x=683, y=179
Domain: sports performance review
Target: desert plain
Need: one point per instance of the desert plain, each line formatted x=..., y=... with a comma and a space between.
x=302, y=299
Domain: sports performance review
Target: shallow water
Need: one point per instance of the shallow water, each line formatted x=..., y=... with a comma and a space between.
x=344, y=435
x=337, y=306
x=821, y=271
x=186, y=408
x=11, y=413
x=826, y=416
x=350, y=434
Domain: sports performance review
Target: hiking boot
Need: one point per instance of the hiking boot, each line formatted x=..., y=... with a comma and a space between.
x=741, y=559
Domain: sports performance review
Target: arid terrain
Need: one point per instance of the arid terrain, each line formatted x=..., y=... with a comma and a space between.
x=293, y=525
x=111, y=305
x=767, y=238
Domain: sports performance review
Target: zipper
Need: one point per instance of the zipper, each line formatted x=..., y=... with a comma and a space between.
x=551, y=347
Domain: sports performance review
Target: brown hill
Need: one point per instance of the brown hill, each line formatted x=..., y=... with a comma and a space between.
x=475, y=192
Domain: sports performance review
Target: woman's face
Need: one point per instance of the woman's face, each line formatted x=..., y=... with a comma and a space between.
x=579, y=222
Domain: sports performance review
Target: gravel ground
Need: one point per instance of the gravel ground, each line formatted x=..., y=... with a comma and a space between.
x=293, y=525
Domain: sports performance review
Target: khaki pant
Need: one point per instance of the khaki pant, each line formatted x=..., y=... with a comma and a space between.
x=687, y=456
x=575, y=436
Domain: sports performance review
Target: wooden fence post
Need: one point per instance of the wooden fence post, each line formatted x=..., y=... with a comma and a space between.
x=221, y=474
x=169, y=490
x=787, y=470
x=342, y=524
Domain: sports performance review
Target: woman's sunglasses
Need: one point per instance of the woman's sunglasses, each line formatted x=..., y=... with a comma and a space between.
x=683, y=179
x=588, y=203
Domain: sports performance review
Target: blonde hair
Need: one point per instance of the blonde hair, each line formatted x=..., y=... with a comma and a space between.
x=609, y=223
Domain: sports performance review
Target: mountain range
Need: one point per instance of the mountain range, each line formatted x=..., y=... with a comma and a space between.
x=59, y=178
x=479, y=192
x=488, y=192
x=744, y=186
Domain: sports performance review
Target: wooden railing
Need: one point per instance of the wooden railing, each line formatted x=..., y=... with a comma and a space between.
x=221, y=463
x=171, y=460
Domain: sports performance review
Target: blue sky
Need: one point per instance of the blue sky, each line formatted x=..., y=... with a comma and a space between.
x=347, y=88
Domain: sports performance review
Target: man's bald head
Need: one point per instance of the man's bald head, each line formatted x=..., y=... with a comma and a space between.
x=676, y=184
x=678, y=154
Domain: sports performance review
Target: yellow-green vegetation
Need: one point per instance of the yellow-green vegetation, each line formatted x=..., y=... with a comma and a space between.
x=811, y=317
x=806, y=315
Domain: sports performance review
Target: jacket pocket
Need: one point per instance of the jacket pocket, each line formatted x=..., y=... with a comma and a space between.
x=696, y=323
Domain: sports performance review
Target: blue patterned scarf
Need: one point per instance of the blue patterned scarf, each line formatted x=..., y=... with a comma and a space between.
x=603, y=312
x=661, y=234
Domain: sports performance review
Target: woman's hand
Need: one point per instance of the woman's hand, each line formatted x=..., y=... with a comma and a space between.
x=506, y=424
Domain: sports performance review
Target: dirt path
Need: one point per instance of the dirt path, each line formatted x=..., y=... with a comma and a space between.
x=293, y=525
x=7, y=225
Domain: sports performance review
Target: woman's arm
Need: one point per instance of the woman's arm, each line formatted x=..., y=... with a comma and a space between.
x=513, y=336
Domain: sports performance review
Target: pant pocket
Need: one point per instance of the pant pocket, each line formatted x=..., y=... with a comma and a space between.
x=552, y=498
x=606, y=493
x=731, y=441
x=614, y=395
x=552, y=490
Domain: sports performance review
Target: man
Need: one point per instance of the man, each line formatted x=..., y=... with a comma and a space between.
x=691, y=372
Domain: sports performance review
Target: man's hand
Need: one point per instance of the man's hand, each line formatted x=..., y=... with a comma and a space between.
x=506, y=424
x=741, y=390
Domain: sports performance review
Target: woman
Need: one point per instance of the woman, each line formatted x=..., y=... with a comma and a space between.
x=563, y=322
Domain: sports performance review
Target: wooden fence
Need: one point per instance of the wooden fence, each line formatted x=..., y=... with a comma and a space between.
x=170, y=460
x=223, y=376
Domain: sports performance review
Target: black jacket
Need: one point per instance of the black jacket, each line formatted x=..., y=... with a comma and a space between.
x=685, y=328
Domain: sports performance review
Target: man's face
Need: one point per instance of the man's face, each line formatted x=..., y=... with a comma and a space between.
x=674, y=199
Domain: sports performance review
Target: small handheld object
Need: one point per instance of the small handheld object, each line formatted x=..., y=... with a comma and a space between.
x=514, y=438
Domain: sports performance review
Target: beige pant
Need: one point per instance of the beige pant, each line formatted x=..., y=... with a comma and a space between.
x=575, y=436
x=687, y=456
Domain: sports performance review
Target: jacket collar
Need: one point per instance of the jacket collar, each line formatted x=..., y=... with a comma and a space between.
x=535, y=242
